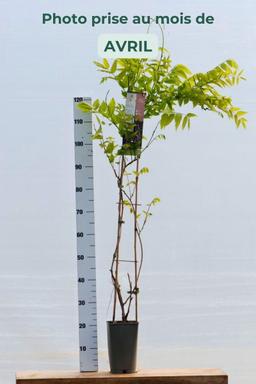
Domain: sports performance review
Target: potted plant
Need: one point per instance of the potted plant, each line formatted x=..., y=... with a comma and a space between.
x=152, y=89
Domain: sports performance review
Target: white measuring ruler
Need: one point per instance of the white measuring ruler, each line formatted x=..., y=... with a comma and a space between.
x=86, y=264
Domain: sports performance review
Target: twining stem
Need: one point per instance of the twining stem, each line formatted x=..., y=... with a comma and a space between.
x=115, y=260
x=132, y=197
x=133, y=288
x=135, y=238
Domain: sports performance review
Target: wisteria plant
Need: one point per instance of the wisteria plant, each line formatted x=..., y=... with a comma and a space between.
x=167, y=89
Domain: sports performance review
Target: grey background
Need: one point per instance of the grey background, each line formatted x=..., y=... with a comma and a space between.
x=198, y=297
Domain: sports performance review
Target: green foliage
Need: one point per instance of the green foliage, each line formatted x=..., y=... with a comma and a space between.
x=179, y=119
x=155, y=201
x=141, y=171
x=168, y=88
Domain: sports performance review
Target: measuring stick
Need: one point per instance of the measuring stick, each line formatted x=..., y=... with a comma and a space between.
x=85, y=236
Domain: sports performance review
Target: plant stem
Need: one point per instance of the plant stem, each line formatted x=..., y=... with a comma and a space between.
x=115, y=260
x=135, y=239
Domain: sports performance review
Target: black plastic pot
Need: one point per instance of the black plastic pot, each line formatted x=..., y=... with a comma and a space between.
x=122, y=346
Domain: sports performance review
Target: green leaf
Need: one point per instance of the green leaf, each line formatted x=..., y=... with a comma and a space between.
x=113, y=67
x=111, y=106
x=96, y=104
x=184, y=122
x=178, y=117
x=166, y=119
x=241, y=113
x=244, y=122
x=185, y=69
x=191, y=115
x=106, y=63
x=127, y=203
x=97, y=134
x=103, y=79
x=232, y=63
x=144, y=170
x=85, y=107
x=224, y=66
x=110, y=147
x=155, y=201
x=99, y=65
x=161, y=137
x=103, y=107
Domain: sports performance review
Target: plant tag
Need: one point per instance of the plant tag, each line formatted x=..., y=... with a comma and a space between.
x=132, y=140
